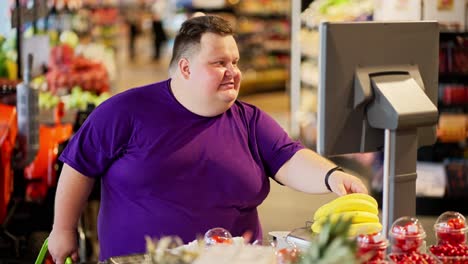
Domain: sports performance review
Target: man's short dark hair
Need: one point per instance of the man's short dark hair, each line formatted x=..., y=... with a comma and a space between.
x=188, y=38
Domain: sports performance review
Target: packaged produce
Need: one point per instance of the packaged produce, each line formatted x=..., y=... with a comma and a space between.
x=451, y=230
x=407, y=235
x=413, y=258
x=407, y=238
x=287, y=255
x=371, y=248
x=218, y=235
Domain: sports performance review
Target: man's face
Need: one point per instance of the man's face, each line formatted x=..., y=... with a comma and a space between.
x=214, y=71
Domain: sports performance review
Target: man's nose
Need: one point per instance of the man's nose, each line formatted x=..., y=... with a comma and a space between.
x=231, y=70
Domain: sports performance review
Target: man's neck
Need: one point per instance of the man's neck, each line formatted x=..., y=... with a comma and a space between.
x=182, y=93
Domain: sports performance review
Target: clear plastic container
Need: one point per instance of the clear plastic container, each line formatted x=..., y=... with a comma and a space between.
x=218, y=235
x=287, y=255
x=451, y=228
x=407, y=236
x=413, y=258
x=371, y=248
x=453, y=260
x=451, y=247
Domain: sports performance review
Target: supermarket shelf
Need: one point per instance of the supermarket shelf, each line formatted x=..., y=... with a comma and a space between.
x=439, y=152
x=308, y=55
x=213, y=10
x=263, y=34
x=462, y=108
x=263, y=15
x=308, y=83
x=449, y=35
x=453, y=77
x=308, y=26
x=262, y=86
x=100, y=6
x=436, y=206
x=264, y=81
x=40, y=10
x=46, y=116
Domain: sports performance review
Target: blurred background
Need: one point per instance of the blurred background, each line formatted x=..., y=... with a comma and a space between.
x=88, y=50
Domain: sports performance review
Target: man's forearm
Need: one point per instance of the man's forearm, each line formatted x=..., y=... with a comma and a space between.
x=305, y=172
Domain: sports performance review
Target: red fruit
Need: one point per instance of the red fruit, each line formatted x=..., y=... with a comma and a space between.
x=221, y=240
x=412, y=229
x=287, y=255
x=407, y=245
x=453, y=238
x=412, y=258
x=456, y=223
x=371, y=248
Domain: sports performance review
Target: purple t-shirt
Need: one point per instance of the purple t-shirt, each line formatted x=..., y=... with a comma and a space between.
x=167, y=171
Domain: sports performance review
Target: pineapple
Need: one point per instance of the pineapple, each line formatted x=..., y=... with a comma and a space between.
x=331, y=245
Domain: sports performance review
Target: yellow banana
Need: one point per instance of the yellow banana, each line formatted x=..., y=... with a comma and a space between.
x=340, y=199
x=323, y=208
x=355, y=229
x=357, y=196
x=316, y=227
x=364, y=229
x=345, y=205
x=357, y=216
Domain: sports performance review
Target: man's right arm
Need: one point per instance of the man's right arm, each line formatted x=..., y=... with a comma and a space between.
x=72, y=195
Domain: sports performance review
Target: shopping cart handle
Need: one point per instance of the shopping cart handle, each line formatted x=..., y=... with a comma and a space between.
x=42, y=254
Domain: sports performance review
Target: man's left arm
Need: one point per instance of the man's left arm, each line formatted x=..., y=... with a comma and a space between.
x=306, y=172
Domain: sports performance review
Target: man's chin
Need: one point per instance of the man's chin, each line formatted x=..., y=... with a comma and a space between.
x=229, y=96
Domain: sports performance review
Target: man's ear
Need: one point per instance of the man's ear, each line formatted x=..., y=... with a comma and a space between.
x=184, y=68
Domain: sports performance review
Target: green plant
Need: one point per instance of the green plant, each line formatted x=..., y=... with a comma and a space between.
x=332, y=244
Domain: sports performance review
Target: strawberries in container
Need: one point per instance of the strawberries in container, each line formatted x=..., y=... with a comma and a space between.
x=218, y=235
x=451, y=230
x=371, y=248
x=413, y=258
x=407, y=237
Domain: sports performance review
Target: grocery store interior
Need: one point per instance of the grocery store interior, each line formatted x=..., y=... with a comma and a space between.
x=85, y=51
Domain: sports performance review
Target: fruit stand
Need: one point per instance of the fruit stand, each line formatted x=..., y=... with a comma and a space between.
x=347, y=232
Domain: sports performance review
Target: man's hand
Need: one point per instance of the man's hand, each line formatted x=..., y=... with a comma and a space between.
x=63, y=244
x=343, y=183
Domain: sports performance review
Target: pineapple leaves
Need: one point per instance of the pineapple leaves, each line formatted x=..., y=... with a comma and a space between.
x=332, y=244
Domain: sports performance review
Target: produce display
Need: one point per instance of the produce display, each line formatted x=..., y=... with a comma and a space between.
x=407, y=237
x=335, y=243
x=451, y=232
x=361, y=208
x=78, y=99
x=371, y=248
x=8, y=56
x=413, y=257
x=67, y=70
x=171, y=250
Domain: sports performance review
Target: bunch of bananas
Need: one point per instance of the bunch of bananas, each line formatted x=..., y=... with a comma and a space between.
x=362, y=208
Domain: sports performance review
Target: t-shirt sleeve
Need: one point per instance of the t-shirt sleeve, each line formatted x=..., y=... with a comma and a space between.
x=101, y=139
x=274, y=144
